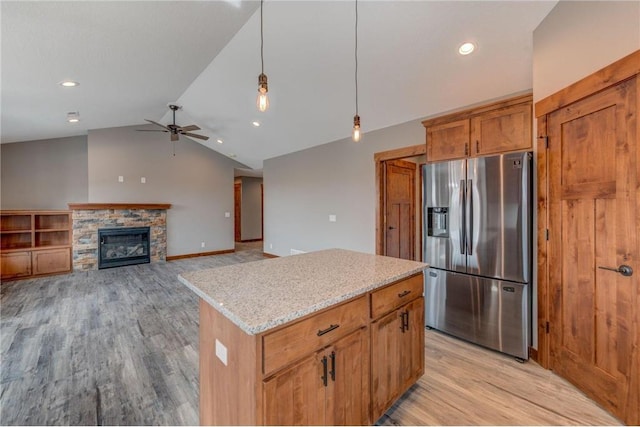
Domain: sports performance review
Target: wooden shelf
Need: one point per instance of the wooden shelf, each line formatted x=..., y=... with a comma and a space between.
x=35, y=243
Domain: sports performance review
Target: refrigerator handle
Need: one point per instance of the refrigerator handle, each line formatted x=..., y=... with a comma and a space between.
x=462, y=199
x=469, y=225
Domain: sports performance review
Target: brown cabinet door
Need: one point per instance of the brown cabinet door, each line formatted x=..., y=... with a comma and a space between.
x=15, y=264
x=51, y=261
x=594, y=212
x=448, y=141
x=348, y=383
x=412, y=344
x=296, y=396
x=508, y=129
x=385, y=362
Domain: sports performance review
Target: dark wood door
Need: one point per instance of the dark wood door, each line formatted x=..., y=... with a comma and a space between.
x=237, y=212
x=593, y=223
x=400, y=207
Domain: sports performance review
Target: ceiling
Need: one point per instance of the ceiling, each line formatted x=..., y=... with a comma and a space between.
x=133, y=57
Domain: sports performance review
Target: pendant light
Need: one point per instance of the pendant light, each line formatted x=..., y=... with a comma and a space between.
x=356, y=119
x=263, y=100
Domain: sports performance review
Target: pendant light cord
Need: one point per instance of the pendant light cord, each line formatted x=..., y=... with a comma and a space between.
x=356, y=55
x=261, y=39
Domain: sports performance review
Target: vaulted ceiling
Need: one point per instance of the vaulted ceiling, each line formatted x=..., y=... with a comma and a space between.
x=132, y=58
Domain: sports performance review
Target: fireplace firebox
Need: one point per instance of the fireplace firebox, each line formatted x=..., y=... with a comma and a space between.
x=123, y=246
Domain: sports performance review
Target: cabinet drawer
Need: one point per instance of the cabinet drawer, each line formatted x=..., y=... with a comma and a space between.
x=393, y=296
x=15, y=264
x=51, y=261
x=305, y=336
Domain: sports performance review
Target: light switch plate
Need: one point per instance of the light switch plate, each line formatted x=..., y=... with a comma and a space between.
x=227, y=214
x=143, y=180
x=221, y=352
x=120, y=178
x=332, y=218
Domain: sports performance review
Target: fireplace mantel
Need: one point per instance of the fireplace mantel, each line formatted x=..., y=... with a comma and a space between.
x=97, y=206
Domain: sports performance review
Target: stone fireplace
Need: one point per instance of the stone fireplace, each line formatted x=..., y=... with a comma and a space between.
x=88, y=218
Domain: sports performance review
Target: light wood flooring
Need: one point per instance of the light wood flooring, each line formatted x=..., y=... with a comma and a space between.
x=120, y=346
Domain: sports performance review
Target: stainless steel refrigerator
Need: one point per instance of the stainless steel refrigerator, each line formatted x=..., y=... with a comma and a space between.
x=477, y=242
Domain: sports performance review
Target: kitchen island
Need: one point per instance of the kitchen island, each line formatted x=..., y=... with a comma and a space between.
x=329, y=337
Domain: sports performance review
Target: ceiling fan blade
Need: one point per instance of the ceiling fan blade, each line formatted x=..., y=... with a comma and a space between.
x=174, y=137
x=195, y=135
x=189, y=128
x=151, y=130
x=157, y=124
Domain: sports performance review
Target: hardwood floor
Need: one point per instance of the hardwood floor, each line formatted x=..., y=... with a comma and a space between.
x=120, y=346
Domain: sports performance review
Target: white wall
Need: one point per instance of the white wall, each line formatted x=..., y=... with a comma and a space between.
x=198, y=182
x=578, y=38
x=302, y=189
x=44, y=174
x=251, y=211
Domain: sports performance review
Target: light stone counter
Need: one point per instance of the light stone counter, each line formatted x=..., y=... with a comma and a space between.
x=259, y=295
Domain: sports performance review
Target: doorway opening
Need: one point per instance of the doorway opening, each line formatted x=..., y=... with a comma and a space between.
x=399, y=207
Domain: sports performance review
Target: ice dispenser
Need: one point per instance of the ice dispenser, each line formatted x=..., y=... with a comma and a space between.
x=438, y=222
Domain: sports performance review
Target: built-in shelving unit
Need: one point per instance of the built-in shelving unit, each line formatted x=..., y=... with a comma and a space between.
x=34, y=243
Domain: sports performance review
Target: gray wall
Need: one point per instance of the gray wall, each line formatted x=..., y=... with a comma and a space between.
x=44, y=174
x=578, y=38
x=302, y=189
x=198, y=182
x=251, y=222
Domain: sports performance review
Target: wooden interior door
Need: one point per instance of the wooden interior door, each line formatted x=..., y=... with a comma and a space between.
x=400, y=208
x=593, y=223
x=237, y=212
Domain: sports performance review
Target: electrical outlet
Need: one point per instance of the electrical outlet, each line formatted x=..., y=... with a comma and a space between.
x=227, y=214
x=332, y=218
x=120, y=178
x=143, y=180
x=270, y=245
x=202, y=245
x=221, y=352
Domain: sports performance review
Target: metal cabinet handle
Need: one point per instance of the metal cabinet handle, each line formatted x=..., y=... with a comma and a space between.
x=321, y=332
x=469, y=228
x=324, y=371
x=404, y=294
x=625, y=270
x=332, y=372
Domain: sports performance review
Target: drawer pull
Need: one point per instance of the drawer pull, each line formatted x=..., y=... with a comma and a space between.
x=321, y=332
x=404, y=294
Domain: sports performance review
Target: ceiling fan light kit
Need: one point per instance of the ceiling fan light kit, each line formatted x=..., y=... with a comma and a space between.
x=174, y=130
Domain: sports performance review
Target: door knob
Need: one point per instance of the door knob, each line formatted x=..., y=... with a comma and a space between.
x=625, y=270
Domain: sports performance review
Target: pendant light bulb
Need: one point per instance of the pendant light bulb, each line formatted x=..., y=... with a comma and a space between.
x=356, y=128
x=263, y=100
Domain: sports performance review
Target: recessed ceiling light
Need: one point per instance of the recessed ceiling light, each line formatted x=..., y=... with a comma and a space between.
x=219, y=141
x=69, y=83
x=73, y=117
x=466, y=48
x=256, y=124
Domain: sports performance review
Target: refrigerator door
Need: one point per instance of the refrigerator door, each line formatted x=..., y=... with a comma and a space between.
x=489, y=312
x=498, y=216
x=443, y=222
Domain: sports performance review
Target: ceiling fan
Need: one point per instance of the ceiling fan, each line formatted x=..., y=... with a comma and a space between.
x=174, y=129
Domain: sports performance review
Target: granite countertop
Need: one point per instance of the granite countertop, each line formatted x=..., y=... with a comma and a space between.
x=260, y=295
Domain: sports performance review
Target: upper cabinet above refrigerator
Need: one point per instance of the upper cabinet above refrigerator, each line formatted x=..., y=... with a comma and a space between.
x=490, y=129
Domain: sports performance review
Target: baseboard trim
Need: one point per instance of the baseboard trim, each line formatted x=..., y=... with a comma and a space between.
x=533, y=354
x=268, y=255
x=199, y=254
x=250, y=240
